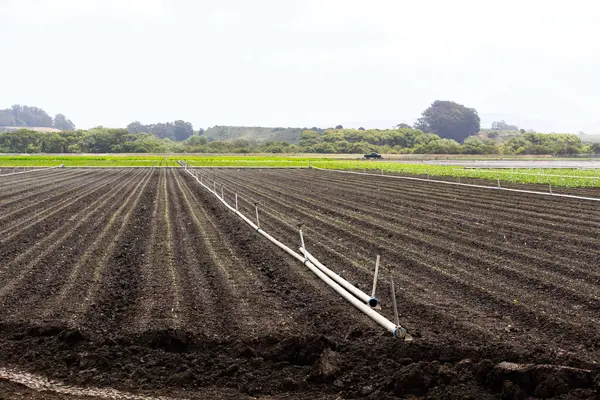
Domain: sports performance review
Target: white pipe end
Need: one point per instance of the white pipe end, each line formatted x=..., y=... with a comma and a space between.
x=374, y=302
x=401, y=332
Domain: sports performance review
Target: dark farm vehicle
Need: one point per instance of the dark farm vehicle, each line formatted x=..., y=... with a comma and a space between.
x=372, y=155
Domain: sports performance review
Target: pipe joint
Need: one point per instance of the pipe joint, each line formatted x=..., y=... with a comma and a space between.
x=401, y=333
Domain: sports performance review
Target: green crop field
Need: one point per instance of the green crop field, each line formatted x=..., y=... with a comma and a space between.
x=562, y=177
x=555, y=177
x=125, y=160
x=147, y=160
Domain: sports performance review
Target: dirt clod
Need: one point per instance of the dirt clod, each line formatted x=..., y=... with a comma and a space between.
x=512, y=391
x=326, y=367
x=540, y=380
x=289, y=384
x=414, y=379
x=550, y=388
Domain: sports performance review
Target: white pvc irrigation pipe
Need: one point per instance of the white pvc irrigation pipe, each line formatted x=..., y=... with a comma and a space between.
x=570, y=196
x=396, y=330
x=365, y=298
x=33, y=170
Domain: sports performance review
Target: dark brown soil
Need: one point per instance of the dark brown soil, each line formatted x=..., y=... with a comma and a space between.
x=140, y=280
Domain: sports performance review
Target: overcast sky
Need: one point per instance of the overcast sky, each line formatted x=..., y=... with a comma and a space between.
x=303, y=62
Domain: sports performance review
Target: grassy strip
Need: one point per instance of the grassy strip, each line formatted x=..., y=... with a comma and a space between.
x=555, y=177
x=146, y=160
x=128, y=160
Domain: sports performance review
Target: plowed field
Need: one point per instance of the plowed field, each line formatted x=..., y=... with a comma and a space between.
x=139, y=279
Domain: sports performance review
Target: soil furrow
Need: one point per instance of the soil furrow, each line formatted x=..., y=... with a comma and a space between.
x=49, y=273
x=289, y=279
x=506, y=224
x=37, y=193
x=456, y=243
x=246, y=277
x=555, y=209
x=55, y=210
x=74, y=297
x=160, y=302
x=49, y=256
x=116, y=288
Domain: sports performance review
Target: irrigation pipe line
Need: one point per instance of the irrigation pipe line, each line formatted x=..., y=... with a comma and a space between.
x=569, y=196
x=365, y=298
x=33, y=170
x=396, y=330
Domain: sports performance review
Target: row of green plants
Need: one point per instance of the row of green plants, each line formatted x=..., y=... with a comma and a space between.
x=550, y=176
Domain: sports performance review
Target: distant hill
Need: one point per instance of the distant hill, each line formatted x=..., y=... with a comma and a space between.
x=33, y=118
x=258, y=134
x=586, y=138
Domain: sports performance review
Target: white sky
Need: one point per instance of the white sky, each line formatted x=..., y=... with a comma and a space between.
x=303, y=62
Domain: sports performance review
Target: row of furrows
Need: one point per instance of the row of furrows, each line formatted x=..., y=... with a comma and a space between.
x=221, y=277
x=16, y=180
x=153, y=252
x=40, y=269
x=465, y=212
x=39, y=217
x=159, y=303
x=179, y=286
x=283, y=226
x=420, y=262
x=426, y=305
x=81, y=285
x=467, y=208
x=190, y=272
x=559, y=210
x=508, y=229
x=593, y=192
x=281, y=293
x=562, y=276
x=418, y=233
x=11, y=190
x=194, y=276
x=16, y=187
x=208, y=294
x=381, y=222
x=555, y=256
x=20, y=246
x=114, y=285
x=29, y=198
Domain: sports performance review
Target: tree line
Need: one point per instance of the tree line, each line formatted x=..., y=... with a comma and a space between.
x=445, y=127
x=344, y=141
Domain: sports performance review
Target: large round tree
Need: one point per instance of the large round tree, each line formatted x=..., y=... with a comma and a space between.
x=449, y=120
